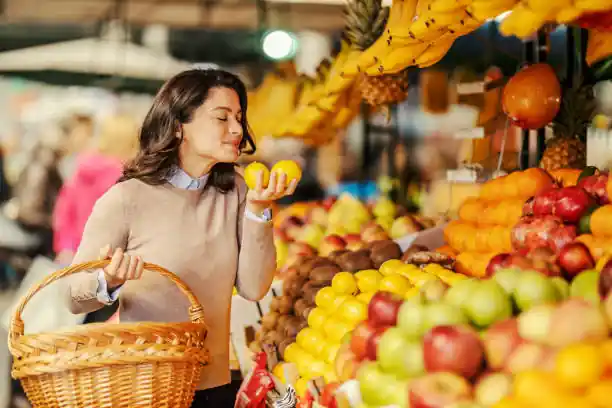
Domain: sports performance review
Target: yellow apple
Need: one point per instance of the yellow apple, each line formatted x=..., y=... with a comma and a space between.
x=353, y=311
x=397, y=284
x=390, y=267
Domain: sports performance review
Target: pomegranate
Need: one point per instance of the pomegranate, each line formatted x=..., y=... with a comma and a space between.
x=595, y=185
x=548, y=231
x=544, y=202
x=572, y=203
x=532, y=97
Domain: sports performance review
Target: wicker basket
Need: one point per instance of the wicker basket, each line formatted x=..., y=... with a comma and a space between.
x=110, y=365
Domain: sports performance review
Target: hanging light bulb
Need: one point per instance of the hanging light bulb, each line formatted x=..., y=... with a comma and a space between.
x=279, y=45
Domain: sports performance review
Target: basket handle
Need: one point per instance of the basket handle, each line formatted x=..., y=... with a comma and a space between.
x=196, y=311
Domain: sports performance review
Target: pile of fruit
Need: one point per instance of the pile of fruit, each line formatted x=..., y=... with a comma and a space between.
x=324, y=299
x=516, y=339
x=343, y=223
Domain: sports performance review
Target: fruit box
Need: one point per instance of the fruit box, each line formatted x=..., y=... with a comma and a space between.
x=431, y=238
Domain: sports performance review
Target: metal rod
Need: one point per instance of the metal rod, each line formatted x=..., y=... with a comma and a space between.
x=541, y=55
x=528, y=57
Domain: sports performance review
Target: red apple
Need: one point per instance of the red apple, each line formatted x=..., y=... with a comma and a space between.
x=499, y=261
x=292, y=226
x=572, y=203
x=544, y=202
x=383, y=309
x=354, y=242
x=328, y=396
x=372, y=343
x=519, y=261
x=574, y=258
x=330, y=244
x=500, y=340
x=595, y=185
x=455, y=349
x=360, y=338
x=605, y=280
x=438, y=390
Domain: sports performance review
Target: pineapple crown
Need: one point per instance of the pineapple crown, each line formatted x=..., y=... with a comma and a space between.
x=365, y=22
x=577, y=109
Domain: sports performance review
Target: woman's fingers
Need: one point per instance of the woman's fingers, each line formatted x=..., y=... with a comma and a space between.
x=123, y=270
x=259, y=181
x=112, y=268
x=292, y=186
x=132, y=262
x=105, y=252
x=281, y=185
x=139, y=267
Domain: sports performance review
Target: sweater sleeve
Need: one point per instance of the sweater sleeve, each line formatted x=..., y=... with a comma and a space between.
x=107, y=225
x=257, y=255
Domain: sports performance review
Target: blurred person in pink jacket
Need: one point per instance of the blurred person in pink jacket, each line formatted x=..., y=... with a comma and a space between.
x=95, y=172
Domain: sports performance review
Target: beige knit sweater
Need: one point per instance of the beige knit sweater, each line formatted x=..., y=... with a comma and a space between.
x=202, y=236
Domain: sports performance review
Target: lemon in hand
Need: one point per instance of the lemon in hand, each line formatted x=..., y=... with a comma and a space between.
x=251, y=172
x=290, y=168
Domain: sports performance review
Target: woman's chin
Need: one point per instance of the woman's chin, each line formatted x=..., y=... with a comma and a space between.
x=228, y=156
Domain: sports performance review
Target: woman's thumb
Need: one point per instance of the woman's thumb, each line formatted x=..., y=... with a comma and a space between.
x=105, y=252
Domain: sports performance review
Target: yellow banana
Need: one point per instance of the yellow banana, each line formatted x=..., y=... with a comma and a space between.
x=593, y=5
x=380, y=47
x=397, y=60
x=448, y=6
x=522, y=22
x=485, y=9
x=599, y=46
x=435, y=52
x=466, y=25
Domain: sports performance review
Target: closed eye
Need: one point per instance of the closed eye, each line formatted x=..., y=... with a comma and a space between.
x=222, y=119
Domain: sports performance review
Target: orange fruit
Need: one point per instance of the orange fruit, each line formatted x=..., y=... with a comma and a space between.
x=252, y=171
x=606, y=353
x=579, y=365
x=290, y=168
x=509, y=402
x=601, y=221
x=600, y=394
x=535, y=386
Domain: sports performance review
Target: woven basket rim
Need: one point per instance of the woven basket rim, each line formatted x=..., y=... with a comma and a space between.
x=104, y=327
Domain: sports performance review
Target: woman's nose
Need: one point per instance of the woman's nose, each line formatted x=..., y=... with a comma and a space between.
x=235, y=128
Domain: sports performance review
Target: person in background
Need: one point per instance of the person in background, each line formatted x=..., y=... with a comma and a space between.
x=95, y=172
x=79, y=131
x=37, y=188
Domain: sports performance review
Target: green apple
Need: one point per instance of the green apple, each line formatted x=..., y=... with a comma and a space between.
x=411, y=319
x=533, y=288
x=399, y=389
x=457, y=294
x=585, y=286
x=489, y=303
x=563, y=288
x=373, y=384
x=412, y=357
x=443, y=314
x=507, y=278
x=390, y=348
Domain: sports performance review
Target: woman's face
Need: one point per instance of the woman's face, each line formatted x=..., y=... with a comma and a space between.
x=215, y=131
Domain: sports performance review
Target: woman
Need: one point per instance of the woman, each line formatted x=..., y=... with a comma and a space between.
x=96, y=171
x=180, y=204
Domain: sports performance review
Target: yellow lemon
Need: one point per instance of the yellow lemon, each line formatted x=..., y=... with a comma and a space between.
x=317, y=318
x=279, y=372
x=353, y=311
x=337, y=302
x=422, y=280
x=329, y=375
x=412, y=272
x=325, y=297
x=301, y=386
x=579, y=365
x=344, y=283
x=365, y=297
x=330, y=352
x=292, y=353
x=290, y=168
x=311, y=340
x=434, y=269
x=395, y=284
x=412, y=292
x=392, y=266
x=368, y=280
x=252, y=171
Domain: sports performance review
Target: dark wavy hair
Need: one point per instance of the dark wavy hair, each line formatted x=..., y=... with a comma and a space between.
x=173, y=106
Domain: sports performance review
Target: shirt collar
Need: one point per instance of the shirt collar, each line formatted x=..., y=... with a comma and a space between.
x=179, y=179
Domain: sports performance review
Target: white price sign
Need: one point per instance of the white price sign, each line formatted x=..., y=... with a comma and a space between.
x=474, y=133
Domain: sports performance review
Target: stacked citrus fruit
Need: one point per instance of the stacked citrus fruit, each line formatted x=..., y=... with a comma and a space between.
x=580, y=378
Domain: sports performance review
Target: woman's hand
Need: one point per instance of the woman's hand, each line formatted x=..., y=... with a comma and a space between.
x=260, y=198
x=122, y=267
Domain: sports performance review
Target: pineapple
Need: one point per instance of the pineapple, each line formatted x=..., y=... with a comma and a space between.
x=365, y=22
x=567, y=149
